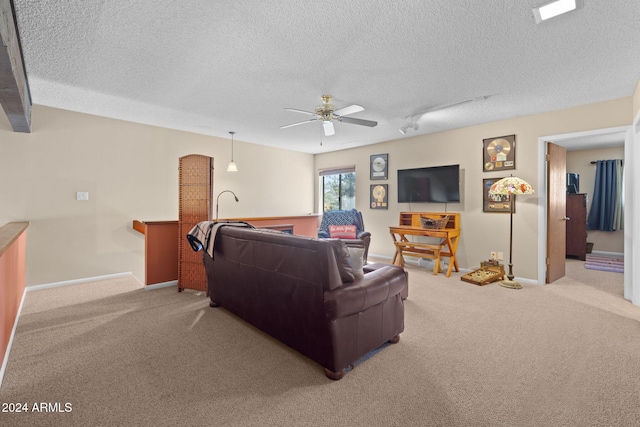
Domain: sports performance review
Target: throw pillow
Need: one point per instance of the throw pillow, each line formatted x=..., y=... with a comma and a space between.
x=342, y=231
x=357, y=261
x=343, y=259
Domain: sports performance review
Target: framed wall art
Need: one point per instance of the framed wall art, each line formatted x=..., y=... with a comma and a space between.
x=379, y=196
x=494, y=202
x=379, y=166
x=499, y=153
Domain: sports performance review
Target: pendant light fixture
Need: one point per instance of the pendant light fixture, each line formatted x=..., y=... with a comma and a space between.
x=232, y=165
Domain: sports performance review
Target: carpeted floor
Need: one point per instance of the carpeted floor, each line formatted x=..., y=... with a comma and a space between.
x=565, y=354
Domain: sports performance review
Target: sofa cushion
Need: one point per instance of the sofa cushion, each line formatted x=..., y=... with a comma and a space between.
x=343, y=259
x=356, y=255
x=342, y=231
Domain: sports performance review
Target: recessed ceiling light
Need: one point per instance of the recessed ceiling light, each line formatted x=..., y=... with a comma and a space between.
x=555, y=8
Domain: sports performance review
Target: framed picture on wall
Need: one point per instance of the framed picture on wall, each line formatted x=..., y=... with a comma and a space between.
x=379, y=166
x=499, y=153
x=494, y=202
x=379, y=196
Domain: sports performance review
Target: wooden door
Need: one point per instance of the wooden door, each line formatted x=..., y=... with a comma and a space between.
x=556, y=211
x=577, y=226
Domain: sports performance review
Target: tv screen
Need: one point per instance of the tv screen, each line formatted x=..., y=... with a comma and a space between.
x=440, y=184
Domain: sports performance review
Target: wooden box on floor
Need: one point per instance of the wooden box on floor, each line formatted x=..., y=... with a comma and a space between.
x=484, y=275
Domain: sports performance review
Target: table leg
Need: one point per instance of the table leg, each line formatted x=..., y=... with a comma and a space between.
x=436, y=262
x=452, y=261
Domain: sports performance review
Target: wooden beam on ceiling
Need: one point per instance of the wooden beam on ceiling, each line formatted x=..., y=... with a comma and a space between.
x=14, y=87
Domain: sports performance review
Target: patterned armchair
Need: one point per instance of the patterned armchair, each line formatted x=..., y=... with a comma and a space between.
x=342, y=218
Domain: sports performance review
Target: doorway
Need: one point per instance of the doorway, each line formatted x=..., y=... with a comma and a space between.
x=574, y=141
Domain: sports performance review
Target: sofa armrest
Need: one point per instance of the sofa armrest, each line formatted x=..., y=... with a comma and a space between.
x=363, y=234
x=365, y=292
x=353, y=243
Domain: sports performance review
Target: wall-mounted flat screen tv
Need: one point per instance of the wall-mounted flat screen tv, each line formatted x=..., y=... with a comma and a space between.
x=439, y=184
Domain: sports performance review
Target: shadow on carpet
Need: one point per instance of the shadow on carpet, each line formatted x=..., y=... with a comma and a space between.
x=368, y=356
x=604, y=263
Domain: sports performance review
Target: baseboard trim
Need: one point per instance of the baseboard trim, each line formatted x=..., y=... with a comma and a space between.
x=10, y=343
x=76, y=281
x=417, y=262
x=161, y=285
x=378, y=256
x=605, y=253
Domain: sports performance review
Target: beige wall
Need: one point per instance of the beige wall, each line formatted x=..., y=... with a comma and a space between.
x=481, y=232
x=580, y=162
x=131, y=172
x=636, y=100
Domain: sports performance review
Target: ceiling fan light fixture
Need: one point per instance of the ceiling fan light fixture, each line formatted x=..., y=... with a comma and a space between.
x=555, y=8
x=327, y=114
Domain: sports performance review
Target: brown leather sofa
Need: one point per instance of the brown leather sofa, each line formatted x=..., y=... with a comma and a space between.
x=297, y=290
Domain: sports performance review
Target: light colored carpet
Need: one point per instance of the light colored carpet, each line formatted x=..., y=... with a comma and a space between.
x=565, y=354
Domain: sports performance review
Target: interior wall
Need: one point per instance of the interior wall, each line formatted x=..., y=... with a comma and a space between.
x=632, y=205
x=579, y=162
x=482, y=232
x=131, y=172
x=636, y=100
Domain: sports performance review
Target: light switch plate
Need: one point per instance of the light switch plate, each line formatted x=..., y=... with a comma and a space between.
x=82, y=195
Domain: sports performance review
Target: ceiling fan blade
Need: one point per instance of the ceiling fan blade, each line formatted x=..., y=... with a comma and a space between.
x=300, y=111
x=345, y=111
x=361, y=122
x=328, y=128
x=299, y=123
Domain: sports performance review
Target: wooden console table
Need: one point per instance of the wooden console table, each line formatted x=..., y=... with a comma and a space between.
x=300, y=225
x=410, y=225
x=13, y=279
x=160, y=250
x=162, y=241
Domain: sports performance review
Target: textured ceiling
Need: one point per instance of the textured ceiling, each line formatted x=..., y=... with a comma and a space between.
x=212, y=67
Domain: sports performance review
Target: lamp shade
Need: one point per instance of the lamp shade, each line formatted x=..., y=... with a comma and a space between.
x=511, y=185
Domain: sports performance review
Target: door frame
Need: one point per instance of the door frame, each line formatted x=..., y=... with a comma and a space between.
x=567, y=140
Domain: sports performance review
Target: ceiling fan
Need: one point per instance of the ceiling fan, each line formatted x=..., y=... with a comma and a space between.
x=328, y=114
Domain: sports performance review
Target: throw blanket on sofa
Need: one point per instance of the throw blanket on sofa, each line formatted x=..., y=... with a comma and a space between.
x=203, y=235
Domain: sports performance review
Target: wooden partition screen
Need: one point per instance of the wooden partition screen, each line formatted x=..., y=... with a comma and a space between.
x=195, y=190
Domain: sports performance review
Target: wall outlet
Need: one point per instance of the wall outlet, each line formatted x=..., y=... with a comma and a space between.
x=494, y=255
x=500, y=256
x=82, y=195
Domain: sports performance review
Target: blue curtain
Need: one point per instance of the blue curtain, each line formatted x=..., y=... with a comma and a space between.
x=606, y=211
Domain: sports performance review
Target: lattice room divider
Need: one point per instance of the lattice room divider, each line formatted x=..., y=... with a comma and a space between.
x=195, y=193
